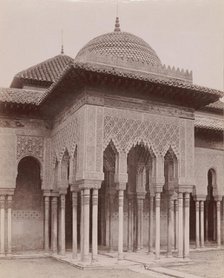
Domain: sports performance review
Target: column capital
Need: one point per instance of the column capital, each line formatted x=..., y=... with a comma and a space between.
x=200, y=197
x=2, y=201
x=218, y=198
x=140, y=195
x=185, y=188
x=121, y=185
x=54, y=193
x=88, y=183
x=7, y=191
x=46, y=192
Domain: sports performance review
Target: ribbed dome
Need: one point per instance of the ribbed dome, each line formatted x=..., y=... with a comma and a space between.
x=120, y=49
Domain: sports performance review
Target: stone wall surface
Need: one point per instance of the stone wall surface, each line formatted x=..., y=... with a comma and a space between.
x=206, y=159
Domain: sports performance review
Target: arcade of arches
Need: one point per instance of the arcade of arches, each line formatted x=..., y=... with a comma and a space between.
x=110, y=216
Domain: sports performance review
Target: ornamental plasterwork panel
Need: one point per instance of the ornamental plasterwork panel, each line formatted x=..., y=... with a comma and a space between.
x=126, y=128
x=30, y=146
x=65, y=136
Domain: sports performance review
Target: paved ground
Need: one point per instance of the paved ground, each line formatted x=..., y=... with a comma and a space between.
x=49, y=268
x=208, y=264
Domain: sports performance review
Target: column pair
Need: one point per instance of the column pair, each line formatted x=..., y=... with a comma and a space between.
x=5, y=203
x=199, y=210
x=183, y=224
x=85, y=215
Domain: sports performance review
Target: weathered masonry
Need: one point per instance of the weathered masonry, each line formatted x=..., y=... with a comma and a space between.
x=111, y=150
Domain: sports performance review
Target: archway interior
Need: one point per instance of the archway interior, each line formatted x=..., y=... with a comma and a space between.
x=140, y=185
x=107, y=209
x=168, y=194
x=210, y=210
x=27, y=230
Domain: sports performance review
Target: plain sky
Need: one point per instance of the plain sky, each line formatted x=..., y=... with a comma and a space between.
x=185, y=33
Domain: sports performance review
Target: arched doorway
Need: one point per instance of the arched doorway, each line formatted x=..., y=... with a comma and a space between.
x=210, y=209
x=28, y=207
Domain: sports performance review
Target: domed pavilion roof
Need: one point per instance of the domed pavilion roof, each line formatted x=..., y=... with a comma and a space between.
x=120, y=49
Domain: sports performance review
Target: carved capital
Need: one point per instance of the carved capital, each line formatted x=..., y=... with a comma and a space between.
x=197, y=205
x=62, y=201
x=2, y=201
x=74, y=199
x=86, y=196
x=9, y=201
x=157, y=199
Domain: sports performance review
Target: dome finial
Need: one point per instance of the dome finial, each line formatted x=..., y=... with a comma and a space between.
x=117, y=25
x=62, y=44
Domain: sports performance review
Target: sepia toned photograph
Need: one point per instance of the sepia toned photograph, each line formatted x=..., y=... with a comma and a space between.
x=111, y=138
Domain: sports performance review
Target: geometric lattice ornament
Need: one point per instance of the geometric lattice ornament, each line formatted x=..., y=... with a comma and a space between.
x=158, y=132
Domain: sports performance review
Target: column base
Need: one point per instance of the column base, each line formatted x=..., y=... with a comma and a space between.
x=85, y=259
x=169, y=255
x=74, y=256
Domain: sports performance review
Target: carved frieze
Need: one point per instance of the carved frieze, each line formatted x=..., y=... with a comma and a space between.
x=30, y=146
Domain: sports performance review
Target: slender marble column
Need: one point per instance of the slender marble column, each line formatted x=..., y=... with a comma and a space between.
x=86, y=199
x=81, y=223
x=202, y=223
x=206, y=220
x=130, y=223
x=111, y=197
x=46, y=222
x=214, y=222
x=176, y=224
x=170, y=226
x=94, y=224
x=121, y=223
x=151, y=215
x=218, y=223
x=157, y=239
x=54, y=208
x=9, y=207
x=62, y=224
x=180, y=225
x=186, y=224
x=197, y=224
x=74, y=224
x=140, y=198
x=2, y=224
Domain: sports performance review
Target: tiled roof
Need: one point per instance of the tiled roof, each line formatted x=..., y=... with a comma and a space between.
x=48, y=70
x=209, y=123
x=218, y=105
x=144, y=77
x=20, y=96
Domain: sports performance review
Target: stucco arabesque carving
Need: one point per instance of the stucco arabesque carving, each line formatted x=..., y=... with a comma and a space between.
x=127, y=129
x=28, y=145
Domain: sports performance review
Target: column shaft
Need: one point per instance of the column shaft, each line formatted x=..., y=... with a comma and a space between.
x=46, y=222
x=121, y=223
x=54, y=206
x=74, y=224
x=202, y=223
x=9, y=241
x=110, y=221
x=130, y=223
x=197, y=224
x=170, y=226
x=180, y=225
x=206, y=220
x=62, y=224
x=94, y=224
x=176, y=224
x=157, y=239
x=140, y=223
x=218, y=223
x=86, y=199
x=81, y=223
x=2, y=224
x=151, y=226
x=186, y=224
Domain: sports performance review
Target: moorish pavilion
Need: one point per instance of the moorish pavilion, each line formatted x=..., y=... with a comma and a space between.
x=110, y=151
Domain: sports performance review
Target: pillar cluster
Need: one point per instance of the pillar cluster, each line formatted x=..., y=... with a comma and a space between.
x=6, y=223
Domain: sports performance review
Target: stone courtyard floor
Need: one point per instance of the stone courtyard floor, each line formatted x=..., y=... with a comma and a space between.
x=207, y=263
